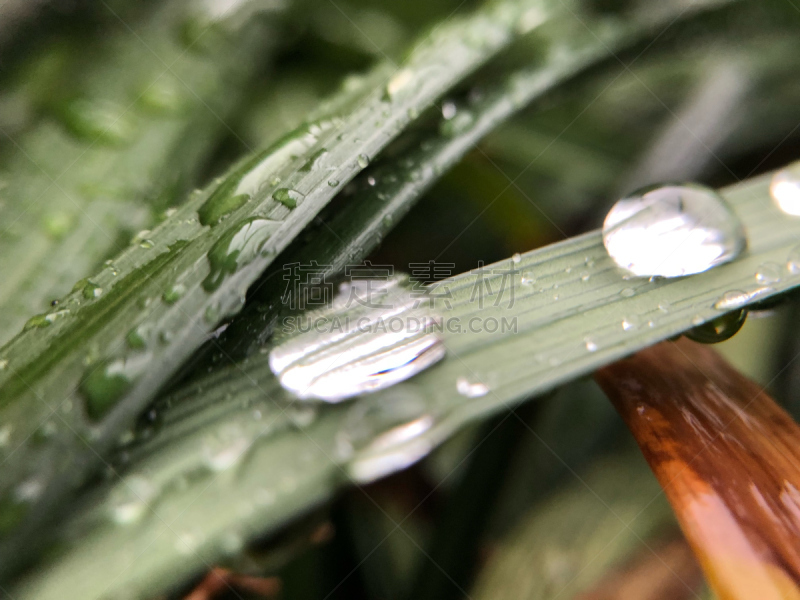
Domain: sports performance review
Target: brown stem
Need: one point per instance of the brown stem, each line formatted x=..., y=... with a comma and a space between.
x=728, y=459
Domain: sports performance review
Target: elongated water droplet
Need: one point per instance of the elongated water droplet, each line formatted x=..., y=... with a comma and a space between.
x=45, y=320
x=719, y=329
x=363, y=161
x=246, y=181
x=470, y=389
x=385, y=435
x=672, y=231
x=315, y=162
x=734, y=299
x=236, y=248
x=289, y=198
x=376, y=334
x=785, y=189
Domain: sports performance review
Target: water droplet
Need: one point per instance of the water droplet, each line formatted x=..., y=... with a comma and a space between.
x=363, y=161
x=672, y=231
x=289, y=198
x=527, y=278
x=146, y=244
x=471, y=389
x=105, y=383
x=719, y=329
x=333, y=182
x=785, y=189
x=398, y=82
x=374, y=335
x=246, y=181
x=236, y=248
x=590, y=344
x=89, y=289
x=734, y=299
x=768, y=273
x=131, y=498
x=315, y=162
x=664, y=306
x=137, y=338
x=385, y=435
x=371, y=181
x=449, y=110
x=3, y=363
x=627, y=292
x=630, y=322
x=516, y=258
x=45, y=320
x=174, y=293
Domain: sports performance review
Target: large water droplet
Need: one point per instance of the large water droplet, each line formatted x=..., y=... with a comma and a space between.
x=719, y=329
x=375, y=334
x=785, y=189
x=384, y=435
x=236, y=248
x=672, y=231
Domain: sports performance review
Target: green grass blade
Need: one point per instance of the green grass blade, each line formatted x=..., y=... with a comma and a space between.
x=86, y=370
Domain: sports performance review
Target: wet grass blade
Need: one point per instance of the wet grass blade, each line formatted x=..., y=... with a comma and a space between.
x=77, y=377
x=726, y=455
